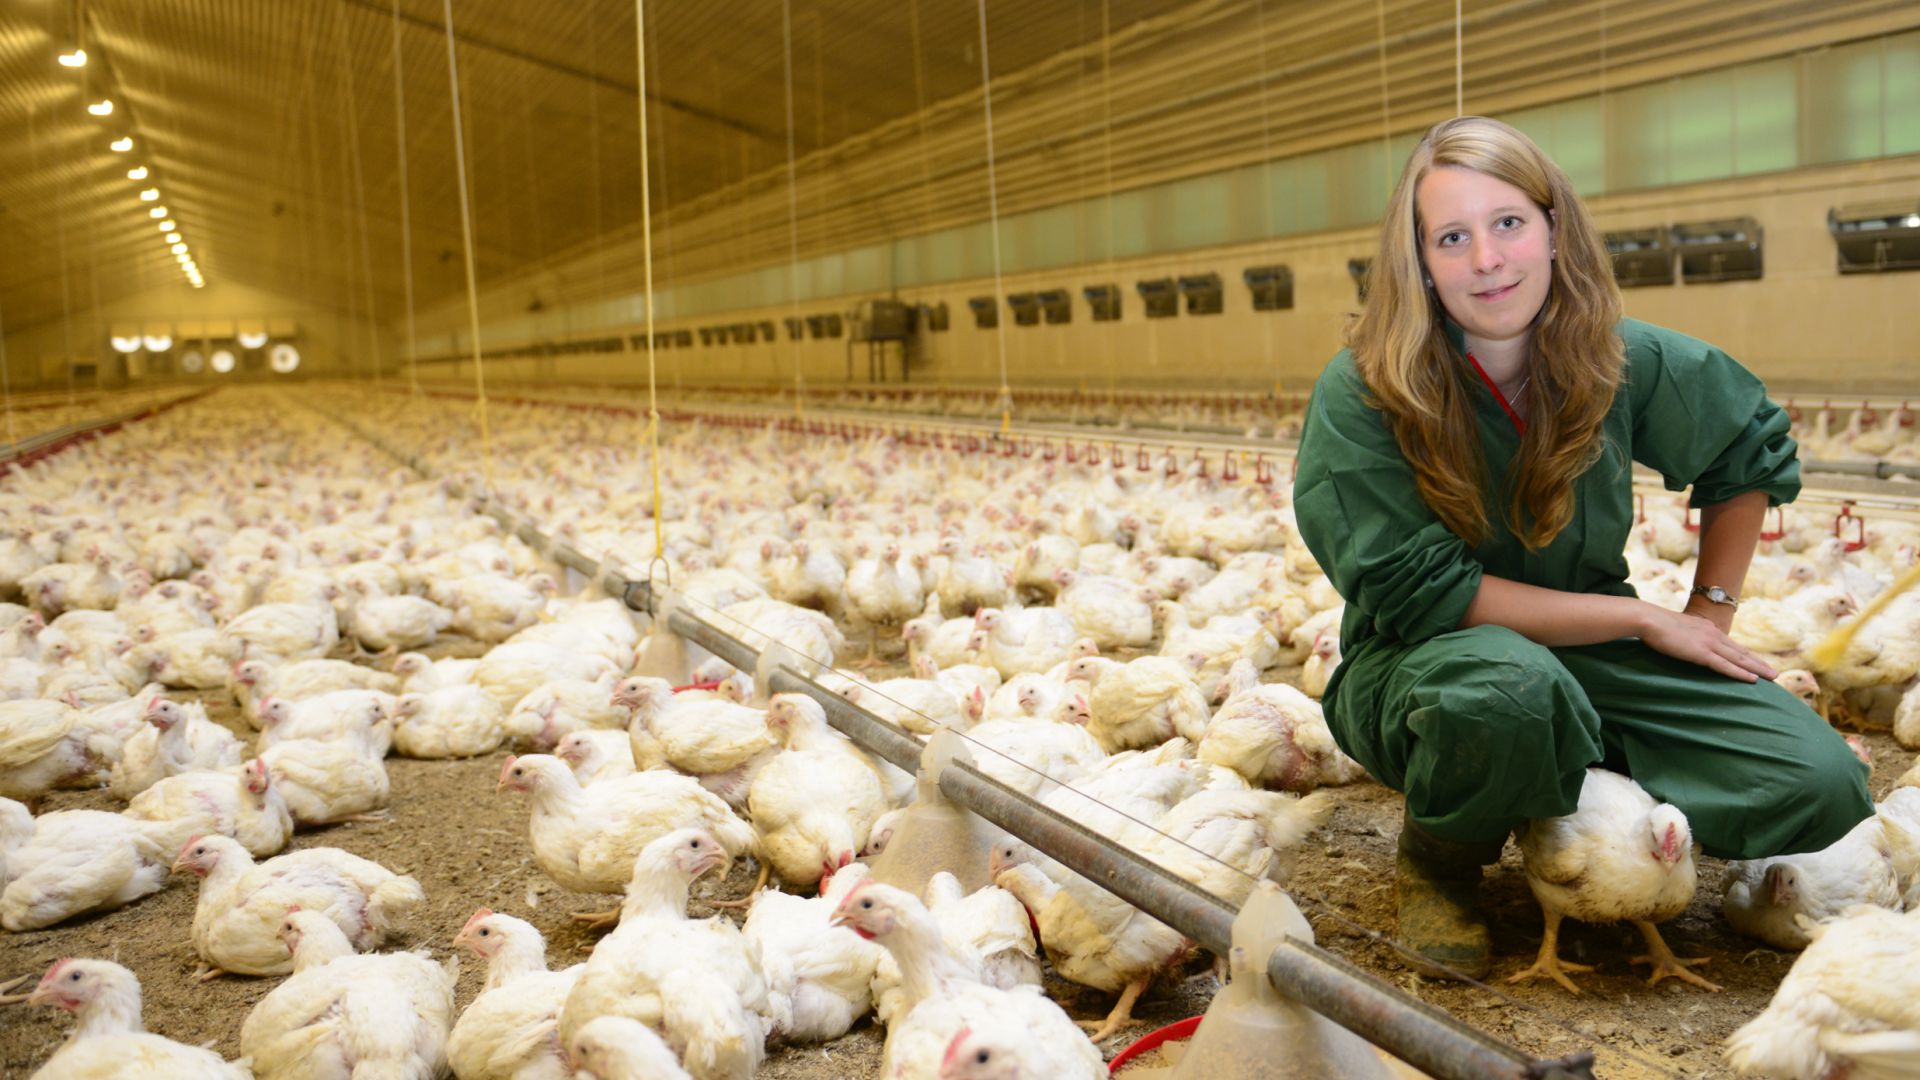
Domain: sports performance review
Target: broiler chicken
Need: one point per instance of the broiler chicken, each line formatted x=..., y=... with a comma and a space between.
x=326, y=781
x=511, y=671
x=720, y=743
x=944, y=998
x=80, y=861
x=287, y=631
x=596, y=755
x=398, y=622
x=108, y=1038
x=883, y=593
x=335, y=715
x=243, y=804
x=819, y=977
x=551, y=711
x=1141, y=703
x=815, y=802
x=1274, y=736
x=452, y=722
x=1768, y=898
x=586, y=839
x=255, y=680
x=1619, y=856
x=511, y=1030
x=178, y=738
x=1111, y=610
x=1026, y=639
x=236, y=924
x=1849, y=1006
x=693, y=980
x=491, y=607
x=44, y=745
x=342, y=1014
x=616, y=1048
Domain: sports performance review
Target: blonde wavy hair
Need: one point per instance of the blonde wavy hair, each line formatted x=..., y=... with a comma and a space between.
x=1422, y=383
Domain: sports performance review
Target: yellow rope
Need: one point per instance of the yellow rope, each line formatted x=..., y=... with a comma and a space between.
x=646, y=243
x=1828, y=653
x=466, y=233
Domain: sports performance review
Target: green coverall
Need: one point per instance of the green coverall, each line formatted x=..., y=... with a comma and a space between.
x=1482, y=728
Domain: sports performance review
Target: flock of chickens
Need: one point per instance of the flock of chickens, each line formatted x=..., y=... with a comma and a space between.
x=1097, y=637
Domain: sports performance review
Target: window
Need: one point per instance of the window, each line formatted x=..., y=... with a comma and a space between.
x=1271, y=286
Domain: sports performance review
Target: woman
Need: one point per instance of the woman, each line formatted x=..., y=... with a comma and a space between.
x=1465, y=482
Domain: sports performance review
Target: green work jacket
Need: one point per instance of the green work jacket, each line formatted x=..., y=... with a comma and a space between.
x=1685, y=409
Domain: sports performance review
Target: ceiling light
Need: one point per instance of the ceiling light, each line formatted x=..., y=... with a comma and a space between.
x=149, y=194
x=179, y=249
x=252, y=341
x=76, y=58
x=173, y=238
x=284, y=358
x=157, y=342
x=223, y=361
x=126, y=344
x=182, y=258
x=157, y=212
x=191, y=362
x=103, y=107
x=122, y=144
x=138, y=172
x=168, y=226
x=199, y=284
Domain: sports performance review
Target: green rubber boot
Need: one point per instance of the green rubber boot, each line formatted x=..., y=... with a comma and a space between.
x=1437, y=885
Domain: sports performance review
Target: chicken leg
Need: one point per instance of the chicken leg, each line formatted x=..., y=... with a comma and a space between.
x=1548, y=963
x=1665, y=963
x=598, y=920
x=766, y=871
x=1121, y=1014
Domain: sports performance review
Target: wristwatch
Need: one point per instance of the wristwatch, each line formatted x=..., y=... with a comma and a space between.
x=1717, y=595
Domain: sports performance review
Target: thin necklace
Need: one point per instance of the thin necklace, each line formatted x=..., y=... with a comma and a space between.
x=1518, y=390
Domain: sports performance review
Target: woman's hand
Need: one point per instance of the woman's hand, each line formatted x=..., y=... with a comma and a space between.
x=1693, y=639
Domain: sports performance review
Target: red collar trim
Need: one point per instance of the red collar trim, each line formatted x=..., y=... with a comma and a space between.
x=1519, y=425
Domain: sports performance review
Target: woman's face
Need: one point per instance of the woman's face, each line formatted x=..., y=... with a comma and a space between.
x=1488, y=249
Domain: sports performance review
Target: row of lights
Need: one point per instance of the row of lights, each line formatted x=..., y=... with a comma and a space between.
x=169, y=229
x=283, y=357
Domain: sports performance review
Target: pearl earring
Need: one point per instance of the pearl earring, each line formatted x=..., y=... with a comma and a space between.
x=1429, y=283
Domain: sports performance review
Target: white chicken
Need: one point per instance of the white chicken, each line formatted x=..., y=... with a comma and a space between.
x=342, y=1014
x=287, y=631
x=510, y=1031
x=452, y=722
x=1274, y=736
x=109, y=1039
x=694, y=980
x=236, y=923
x=80, y=861
x=1849, y=1006
x=178, y=738
x=815, y=803
x=243, y=804
x=334, y=715
x=512, y=671
x=1619, y=856
x=970, y=580
x=944, y=998
x=44, y=745
x=492, y=607
x=551, y=711
x=254, y=680
x=882, y=593
x=596, y=755
x=326, y=781
x=819, y=977
x=718, y=742
x=1026, y=639
x=1768, y=898
x=1141, y=703
x=586, y=839
x=1114, y=612
x=398, y=622
x=616, y=1048
x=1034, y=757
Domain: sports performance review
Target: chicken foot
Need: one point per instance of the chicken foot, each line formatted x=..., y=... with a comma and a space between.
x=208, y=974
x=14, y=999
x=1548, y=964
x=598, y=920
x=1665, y=963
x=766, y=871
x=1121, y=1014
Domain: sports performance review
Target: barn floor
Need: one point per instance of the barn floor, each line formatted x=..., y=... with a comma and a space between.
x=468, y=848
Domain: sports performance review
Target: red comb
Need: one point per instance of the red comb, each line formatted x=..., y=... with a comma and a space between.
x=953, y=1047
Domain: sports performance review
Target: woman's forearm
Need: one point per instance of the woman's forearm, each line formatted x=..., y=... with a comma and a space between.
x=1555, y=618
x=1728, y=533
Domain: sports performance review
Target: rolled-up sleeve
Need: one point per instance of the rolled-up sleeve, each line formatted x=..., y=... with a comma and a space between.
x=1703, y=421
x=1361, y=515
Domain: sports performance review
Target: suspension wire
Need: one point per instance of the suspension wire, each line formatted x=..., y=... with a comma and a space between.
x=666, y=214
x=646, y=246
x=1266, y=166
x=993, y=206
x=1386, y=104
x=406, y=211
x=6, y=386
x=793, y=217
x=360, y=199
x=1459, y=71
x=926, y=165
x=466, y=236
x=1106, y=149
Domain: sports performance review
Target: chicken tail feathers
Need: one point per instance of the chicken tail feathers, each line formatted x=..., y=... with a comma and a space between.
x=1876, y=1055
x=389, y=900
x=712, y=1027
x=1777, y=1045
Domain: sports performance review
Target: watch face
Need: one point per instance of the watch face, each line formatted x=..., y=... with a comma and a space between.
x=1716, y=594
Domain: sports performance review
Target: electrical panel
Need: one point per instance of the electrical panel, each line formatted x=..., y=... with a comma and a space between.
x=882, y=320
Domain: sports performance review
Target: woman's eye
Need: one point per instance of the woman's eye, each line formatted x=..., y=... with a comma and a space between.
x=1511, y=222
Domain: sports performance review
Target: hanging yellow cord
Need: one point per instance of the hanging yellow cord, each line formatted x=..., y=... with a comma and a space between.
x=993, y=204
x=646, y=244
x=1828, y=653
x=466, y=233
